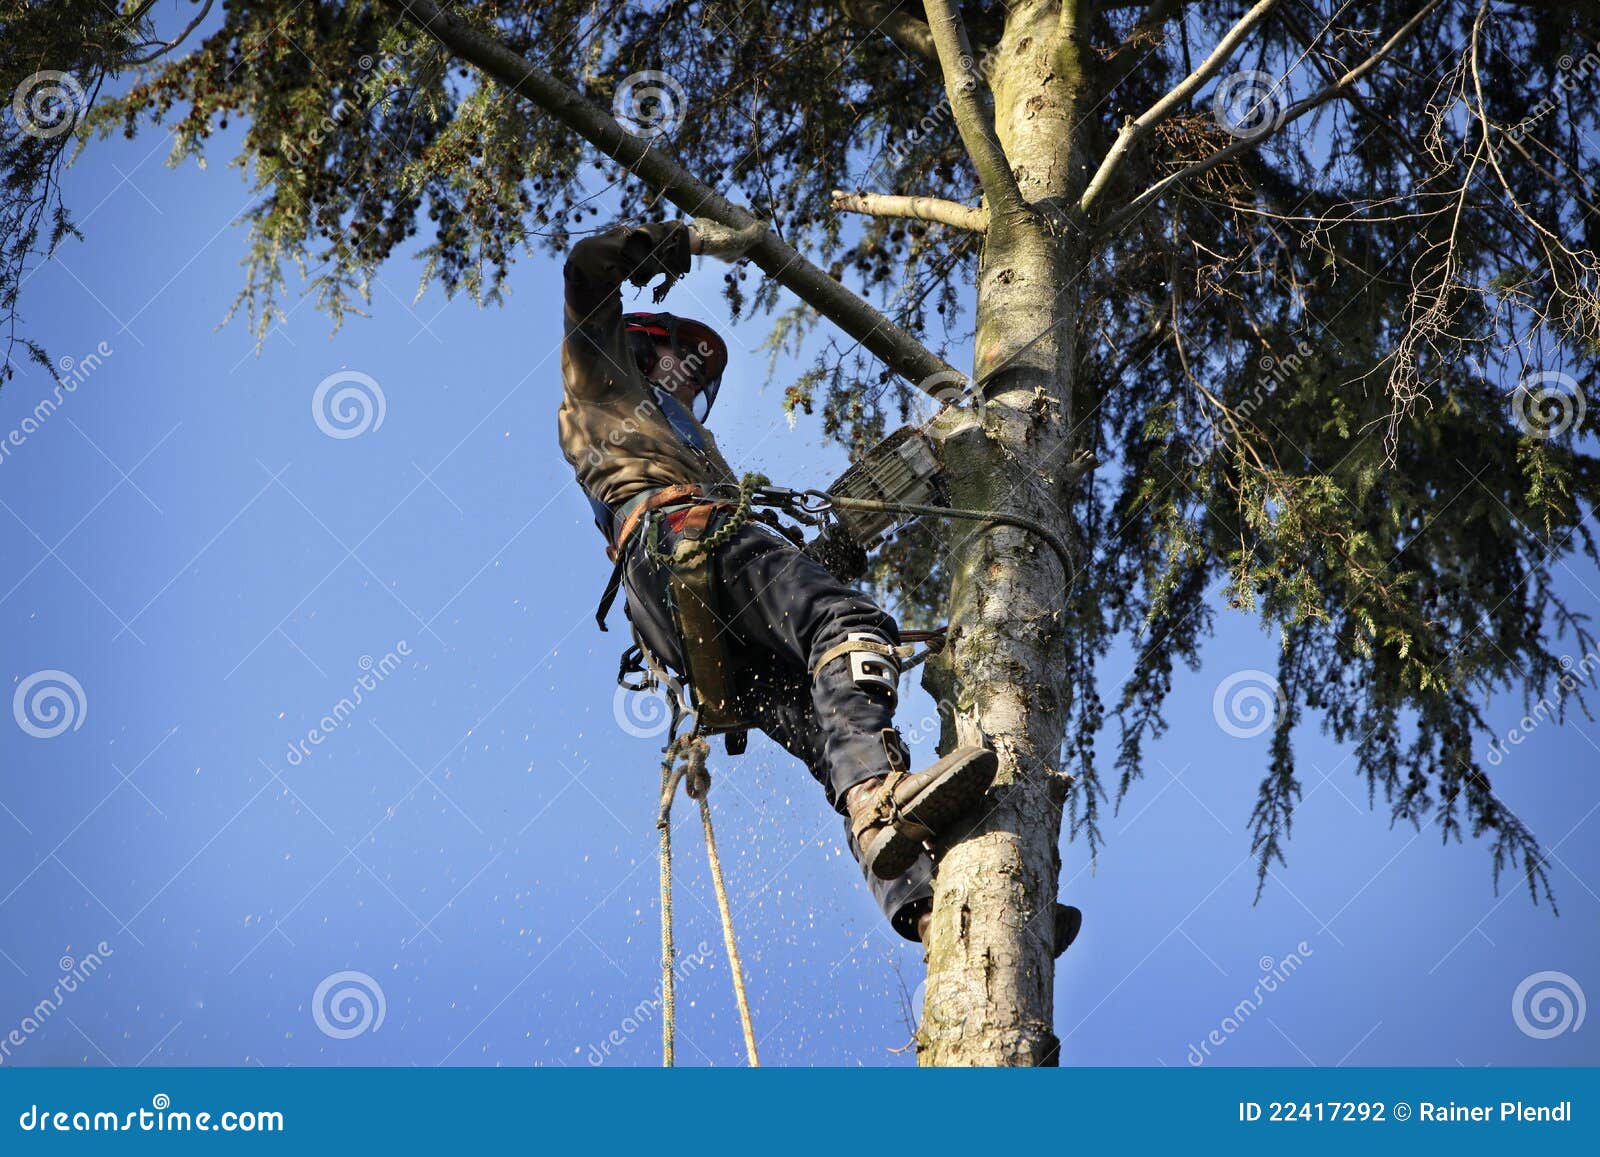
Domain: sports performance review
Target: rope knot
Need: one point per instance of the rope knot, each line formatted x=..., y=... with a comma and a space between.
x=686, y=760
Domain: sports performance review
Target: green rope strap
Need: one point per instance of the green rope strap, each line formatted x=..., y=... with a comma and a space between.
x=690, y=553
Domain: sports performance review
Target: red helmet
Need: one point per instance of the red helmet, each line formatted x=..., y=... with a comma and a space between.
x=698, y=351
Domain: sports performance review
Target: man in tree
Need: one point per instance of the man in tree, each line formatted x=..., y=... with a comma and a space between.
x=803, y=657
x=1142, y=206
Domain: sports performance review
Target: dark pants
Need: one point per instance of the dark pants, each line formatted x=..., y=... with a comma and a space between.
x=780, y=611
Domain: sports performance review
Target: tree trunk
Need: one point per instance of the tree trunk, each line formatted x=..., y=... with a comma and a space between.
x=991, y=971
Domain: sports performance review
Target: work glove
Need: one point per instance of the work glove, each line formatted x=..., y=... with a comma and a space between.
x=723, y=241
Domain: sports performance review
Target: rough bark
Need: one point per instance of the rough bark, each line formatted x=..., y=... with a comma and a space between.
x=991, y=975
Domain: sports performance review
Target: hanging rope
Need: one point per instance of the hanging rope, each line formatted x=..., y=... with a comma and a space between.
x=686, y=760
x=669, y=782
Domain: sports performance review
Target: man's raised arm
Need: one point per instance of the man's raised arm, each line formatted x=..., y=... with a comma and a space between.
x=595, y=351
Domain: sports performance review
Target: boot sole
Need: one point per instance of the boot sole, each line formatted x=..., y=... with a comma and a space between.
x=949, y=797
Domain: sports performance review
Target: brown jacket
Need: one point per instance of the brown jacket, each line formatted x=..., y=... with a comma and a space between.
x=612, y=431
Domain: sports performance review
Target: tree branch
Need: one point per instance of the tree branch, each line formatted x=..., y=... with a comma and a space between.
x=1135, y=130
x=1294, y=112
x=935, y=209
x=886, y=17
x=902, y=352
x=164, y=47
x=961, y=79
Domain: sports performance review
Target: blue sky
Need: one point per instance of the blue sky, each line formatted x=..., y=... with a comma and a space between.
x=216, y=572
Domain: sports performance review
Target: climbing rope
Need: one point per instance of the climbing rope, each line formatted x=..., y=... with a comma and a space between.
x=664, y=826
x=686, y=760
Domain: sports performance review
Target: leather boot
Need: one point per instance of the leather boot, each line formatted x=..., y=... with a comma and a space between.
x=892, y=816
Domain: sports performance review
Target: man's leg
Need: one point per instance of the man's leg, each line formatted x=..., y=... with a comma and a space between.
x=780, y=601
x=775, y=685
x=777, y=700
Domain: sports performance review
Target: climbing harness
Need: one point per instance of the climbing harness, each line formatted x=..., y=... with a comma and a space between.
x=691, y=593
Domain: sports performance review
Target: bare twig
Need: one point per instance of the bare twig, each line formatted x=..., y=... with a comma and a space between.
x=1294, y=112
x=1137, y=128
x=167, y=46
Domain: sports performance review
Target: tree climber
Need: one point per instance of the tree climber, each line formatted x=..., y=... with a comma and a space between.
x=774, y=641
